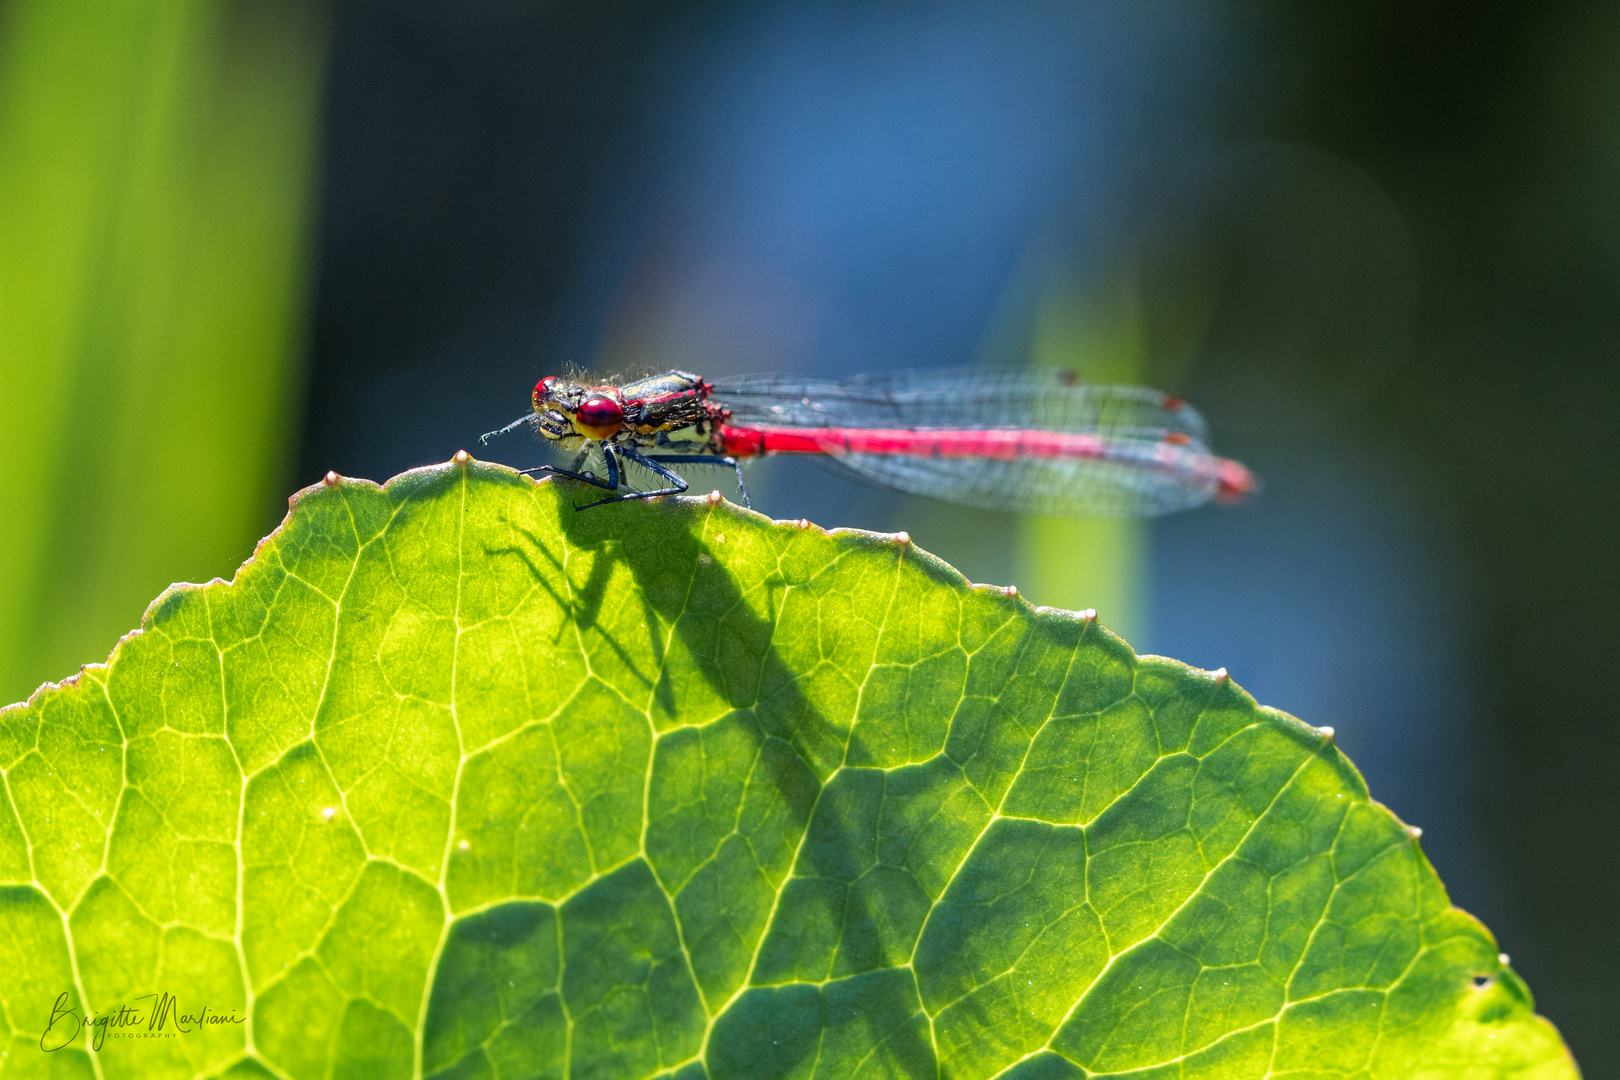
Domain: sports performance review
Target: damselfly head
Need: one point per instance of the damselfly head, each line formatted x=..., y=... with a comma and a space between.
x=565, y=409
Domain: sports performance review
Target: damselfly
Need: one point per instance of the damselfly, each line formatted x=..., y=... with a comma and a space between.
x=1036, y=441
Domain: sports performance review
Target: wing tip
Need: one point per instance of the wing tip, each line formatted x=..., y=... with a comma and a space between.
x=1233, y=481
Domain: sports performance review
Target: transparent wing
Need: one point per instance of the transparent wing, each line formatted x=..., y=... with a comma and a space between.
x=1111, y=487
x=1152, y=460
x=1047, y=400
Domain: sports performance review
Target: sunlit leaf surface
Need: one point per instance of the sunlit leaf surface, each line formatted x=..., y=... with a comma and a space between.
x=453, y=781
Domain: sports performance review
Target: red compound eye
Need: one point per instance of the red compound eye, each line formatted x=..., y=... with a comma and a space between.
x=542, y=389
x=599, y=416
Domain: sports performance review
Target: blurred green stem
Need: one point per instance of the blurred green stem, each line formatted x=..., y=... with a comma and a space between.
x=1102, y=563
x=156, y=159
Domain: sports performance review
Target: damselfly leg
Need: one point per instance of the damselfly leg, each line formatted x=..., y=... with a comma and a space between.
x=707, y=459
x=678, y=485
x=653, y=463
x=610, y=484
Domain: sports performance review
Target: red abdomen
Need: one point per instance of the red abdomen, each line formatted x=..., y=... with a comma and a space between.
x=996, y=443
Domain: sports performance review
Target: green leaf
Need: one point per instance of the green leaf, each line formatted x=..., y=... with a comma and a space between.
x=454, y=781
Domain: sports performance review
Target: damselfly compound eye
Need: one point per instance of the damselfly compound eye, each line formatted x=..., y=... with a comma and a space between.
x=599, y=416
x=543, y=388
x=600, y=412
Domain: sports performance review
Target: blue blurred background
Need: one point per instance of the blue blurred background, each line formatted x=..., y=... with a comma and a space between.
x=1378, y=244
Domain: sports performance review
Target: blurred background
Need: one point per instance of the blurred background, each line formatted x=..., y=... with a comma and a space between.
x=243, y=242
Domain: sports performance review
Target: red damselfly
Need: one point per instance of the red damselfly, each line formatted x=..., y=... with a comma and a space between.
x=1036, y=441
